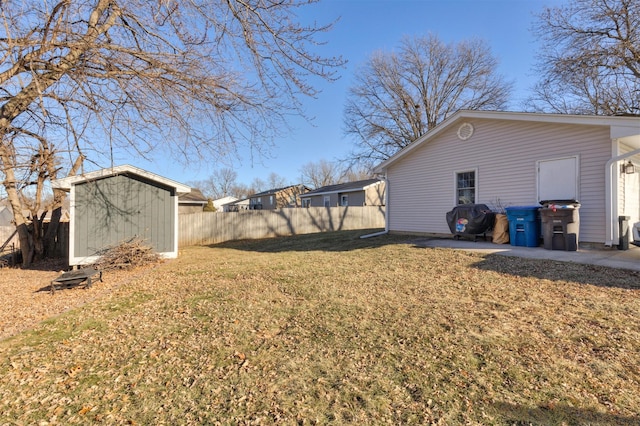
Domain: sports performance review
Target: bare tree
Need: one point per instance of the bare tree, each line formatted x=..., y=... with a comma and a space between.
x=86, y=80
x=321, y=173
x=398, y=96
x=219, y=184
x=276, y=181
x=257, y=185
x=240, y=191
x=358, y=172
x=590, y=58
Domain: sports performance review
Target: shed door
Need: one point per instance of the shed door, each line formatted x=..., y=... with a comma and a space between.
x=558, y=179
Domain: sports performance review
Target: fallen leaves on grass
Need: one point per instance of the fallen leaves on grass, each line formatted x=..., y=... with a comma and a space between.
x=376, y=332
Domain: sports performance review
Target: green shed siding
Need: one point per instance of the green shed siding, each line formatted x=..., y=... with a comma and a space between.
x=117, y=208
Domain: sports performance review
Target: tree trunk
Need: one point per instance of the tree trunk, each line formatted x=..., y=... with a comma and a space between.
x=21, y=222
x=49, y=238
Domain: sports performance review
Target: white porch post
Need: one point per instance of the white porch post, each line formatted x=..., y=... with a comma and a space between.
x=611, y=195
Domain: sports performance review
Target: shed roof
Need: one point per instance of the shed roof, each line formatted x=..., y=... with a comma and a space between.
x=68, y=182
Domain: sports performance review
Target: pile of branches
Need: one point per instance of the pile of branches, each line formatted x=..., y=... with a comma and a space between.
x=127, y=255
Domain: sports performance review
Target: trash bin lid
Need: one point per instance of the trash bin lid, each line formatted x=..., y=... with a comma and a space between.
x=522, y=208
x=561, y=204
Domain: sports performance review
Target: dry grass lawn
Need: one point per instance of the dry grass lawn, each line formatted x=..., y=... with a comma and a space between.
x=330, y=328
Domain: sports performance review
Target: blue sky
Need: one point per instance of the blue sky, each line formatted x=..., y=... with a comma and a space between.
x=364, y=27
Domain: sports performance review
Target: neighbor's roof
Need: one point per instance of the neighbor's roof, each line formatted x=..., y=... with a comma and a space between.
x=276, y=190
x=224, y=200
x=620, y=127
x=238, y=202
x=193, y=197
x=66, y=183
x=359, y=185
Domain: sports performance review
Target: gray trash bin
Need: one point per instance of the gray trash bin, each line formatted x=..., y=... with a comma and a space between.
x=560, y=224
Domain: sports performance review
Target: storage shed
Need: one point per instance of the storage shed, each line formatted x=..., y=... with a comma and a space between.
x=114, y=205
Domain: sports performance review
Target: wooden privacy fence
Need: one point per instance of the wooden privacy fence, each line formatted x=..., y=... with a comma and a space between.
x=9, y=241
x=210, y=228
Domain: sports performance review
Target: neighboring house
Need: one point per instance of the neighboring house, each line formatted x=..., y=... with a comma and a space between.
x=6, y=216
x=8, y=235
x=191, y=202
x=220, y=203
x=369, y=192
x=277, y=198
x=518, y=159
x=236, y=206
x=114, y=205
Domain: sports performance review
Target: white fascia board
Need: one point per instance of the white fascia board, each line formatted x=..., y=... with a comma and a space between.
x=66, y=183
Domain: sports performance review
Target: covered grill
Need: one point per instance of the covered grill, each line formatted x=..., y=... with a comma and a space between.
x=470, y=220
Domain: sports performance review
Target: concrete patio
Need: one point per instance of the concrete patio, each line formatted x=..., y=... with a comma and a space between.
x=611, y=257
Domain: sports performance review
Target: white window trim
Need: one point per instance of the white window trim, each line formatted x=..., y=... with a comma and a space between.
x=455, y=184
x=326, y=201
x=344, y=197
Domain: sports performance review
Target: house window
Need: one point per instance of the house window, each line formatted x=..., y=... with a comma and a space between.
x=255, y=203
x=271, y=199
x=466, y=188
x=327, y=201
x=344, y=200
x=306, y=202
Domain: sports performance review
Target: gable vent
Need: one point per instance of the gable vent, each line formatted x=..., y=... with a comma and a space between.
x=465, y=131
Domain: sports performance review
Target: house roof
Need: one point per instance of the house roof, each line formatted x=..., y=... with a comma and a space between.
x=224, y=200
x=66, y=183
x=193, y=197
x=276, y=190
x=621, y=127
x=238, y=202
x=359, y=185
x=6, y=215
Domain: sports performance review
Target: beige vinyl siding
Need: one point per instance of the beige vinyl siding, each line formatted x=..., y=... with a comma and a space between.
x=505, y=155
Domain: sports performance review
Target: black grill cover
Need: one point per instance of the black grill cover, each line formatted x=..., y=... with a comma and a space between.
x=470, y=219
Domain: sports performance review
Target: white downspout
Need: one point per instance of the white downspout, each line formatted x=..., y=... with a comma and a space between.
x=611, y=208
x=386, y=213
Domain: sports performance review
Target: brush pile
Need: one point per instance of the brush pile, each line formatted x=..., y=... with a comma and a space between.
x=127, y=255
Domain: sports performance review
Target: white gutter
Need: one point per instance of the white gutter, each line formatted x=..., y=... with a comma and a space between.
x=386, y=213
x=611, y=208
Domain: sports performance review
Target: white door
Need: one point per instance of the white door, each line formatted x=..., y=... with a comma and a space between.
x=558, y=179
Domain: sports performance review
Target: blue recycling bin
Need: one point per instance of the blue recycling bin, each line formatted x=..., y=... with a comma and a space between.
x=524, y=225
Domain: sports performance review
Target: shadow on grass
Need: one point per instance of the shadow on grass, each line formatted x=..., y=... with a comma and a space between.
x=321, y=241
x=54, y=264
x=559, y=415
x=561, y=271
